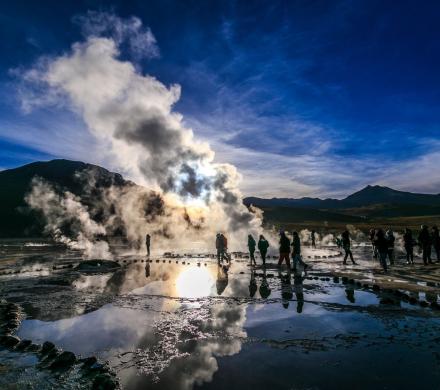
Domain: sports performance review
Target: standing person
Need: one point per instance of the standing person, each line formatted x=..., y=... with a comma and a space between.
x=225, y=253
x=425, y=243
x=390, y=239
x=147, y=243
x=382, y=248
x=346, y=244
x=263, y=244
x=313, y=239
x=251, y=245
x=296, y=252
x=408, y=242
x=372, y=236
x=219, y=247
x=435, y=238
x=284, y=250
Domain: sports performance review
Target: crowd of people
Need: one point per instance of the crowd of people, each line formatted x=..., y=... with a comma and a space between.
x=383, y=244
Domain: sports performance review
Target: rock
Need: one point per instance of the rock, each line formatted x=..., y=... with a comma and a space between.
x=365, y=285
x=103, y=382
x=423, y=303
x=34, y=347
x=65, y=360
x=89, y=361
x=386, y=301
x=10, y=341
x=351, y=281
x=412, y=300
x=344, y=279
x=47, y=347
x=23, y=344
x=335, y=279
x=435, y=306
x=376, y=287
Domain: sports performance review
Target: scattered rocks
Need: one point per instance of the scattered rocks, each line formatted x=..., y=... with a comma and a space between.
x=47, y=347
x=10, y=341
x=104, y=382
x=23, y=344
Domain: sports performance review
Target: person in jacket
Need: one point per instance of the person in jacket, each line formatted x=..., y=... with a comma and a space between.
x=425, y=242
x=435, y=238
x=219, y=247
x=284, y=250
x=382, y=248
x=313, y=236
x=390, y=239
x=408, y=243
x=147, y=243
x=346, y=244
x=263, y=245
x=296, y=251
x=252, y=245
x=225, y=253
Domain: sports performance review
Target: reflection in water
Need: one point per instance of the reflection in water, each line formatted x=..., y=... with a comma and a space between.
x=264, y=286
x=252, y=284
x=286, y=289
x=349, y=292
x=298, y=280
x=194, y=283
x=222, y=279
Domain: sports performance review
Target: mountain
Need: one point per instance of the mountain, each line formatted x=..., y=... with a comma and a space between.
x=368, y=196
x=16, y=219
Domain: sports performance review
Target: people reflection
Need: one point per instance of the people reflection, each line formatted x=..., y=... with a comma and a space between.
x=349, y=292
x=222, y=279
x=298, y=279
x=286, y=289
x=147, y=270
x=252, y=284
x=264, y=287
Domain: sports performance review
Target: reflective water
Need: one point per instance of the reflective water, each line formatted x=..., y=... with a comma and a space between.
x=186, y=323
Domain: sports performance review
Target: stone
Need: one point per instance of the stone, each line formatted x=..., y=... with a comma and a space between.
x=23, y=344
x=47, y=347
x=89, y=361
x=335, y=279
x=10, y=341
x=64, y=360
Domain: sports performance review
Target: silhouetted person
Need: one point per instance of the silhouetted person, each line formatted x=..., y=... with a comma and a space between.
x=346, y=244
x=147, y=243
x=390, y=240
x=372, y=236
x=435, y=238
x=286, y=289
x=408, y=243
x=313, y=239
x=219, y=247
x=222, y=279
x=382, y=247
x=264, y=287
x=349, y=293
x=298, y=288
x=296, y=252
x=252, y=245
x=263, y=244
x=252, y=284
x=284, y=250
x=225, y=253
x=425, y=242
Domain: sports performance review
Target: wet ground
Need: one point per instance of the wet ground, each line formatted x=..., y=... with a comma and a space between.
x=182, y=322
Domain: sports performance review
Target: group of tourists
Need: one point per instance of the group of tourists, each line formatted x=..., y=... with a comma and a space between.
x=384, y=242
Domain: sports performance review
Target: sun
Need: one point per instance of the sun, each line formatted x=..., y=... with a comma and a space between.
x=194, y=283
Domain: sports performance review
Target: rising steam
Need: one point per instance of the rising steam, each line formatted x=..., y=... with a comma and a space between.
x=131, y=114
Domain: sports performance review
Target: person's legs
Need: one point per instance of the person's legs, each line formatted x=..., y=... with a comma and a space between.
x=383, y=260
x=429, y=254
x=346, y=255
x=437, y=251
x=425, y=254
x=252, y=255
x=351, y=256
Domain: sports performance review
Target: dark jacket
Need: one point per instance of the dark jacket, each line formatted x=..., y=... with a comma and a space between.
x=296, y=243
x=435, y=238
x=408, y=240
x=263, y=245
x=424, y=238
x=284, y=244
x=251, y=243
x=345, y=239
x=381, y=243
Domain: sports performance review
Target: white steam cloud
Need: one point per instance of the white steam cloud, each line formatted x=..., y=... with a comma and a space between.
x=131, y=114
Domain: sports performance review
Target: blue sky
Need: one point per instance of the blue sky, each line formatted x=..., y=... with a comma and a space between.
x=315, y=98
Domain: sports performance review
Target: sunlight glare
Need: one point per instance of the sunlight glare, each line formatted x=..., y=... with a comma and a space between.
x=194, y=283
